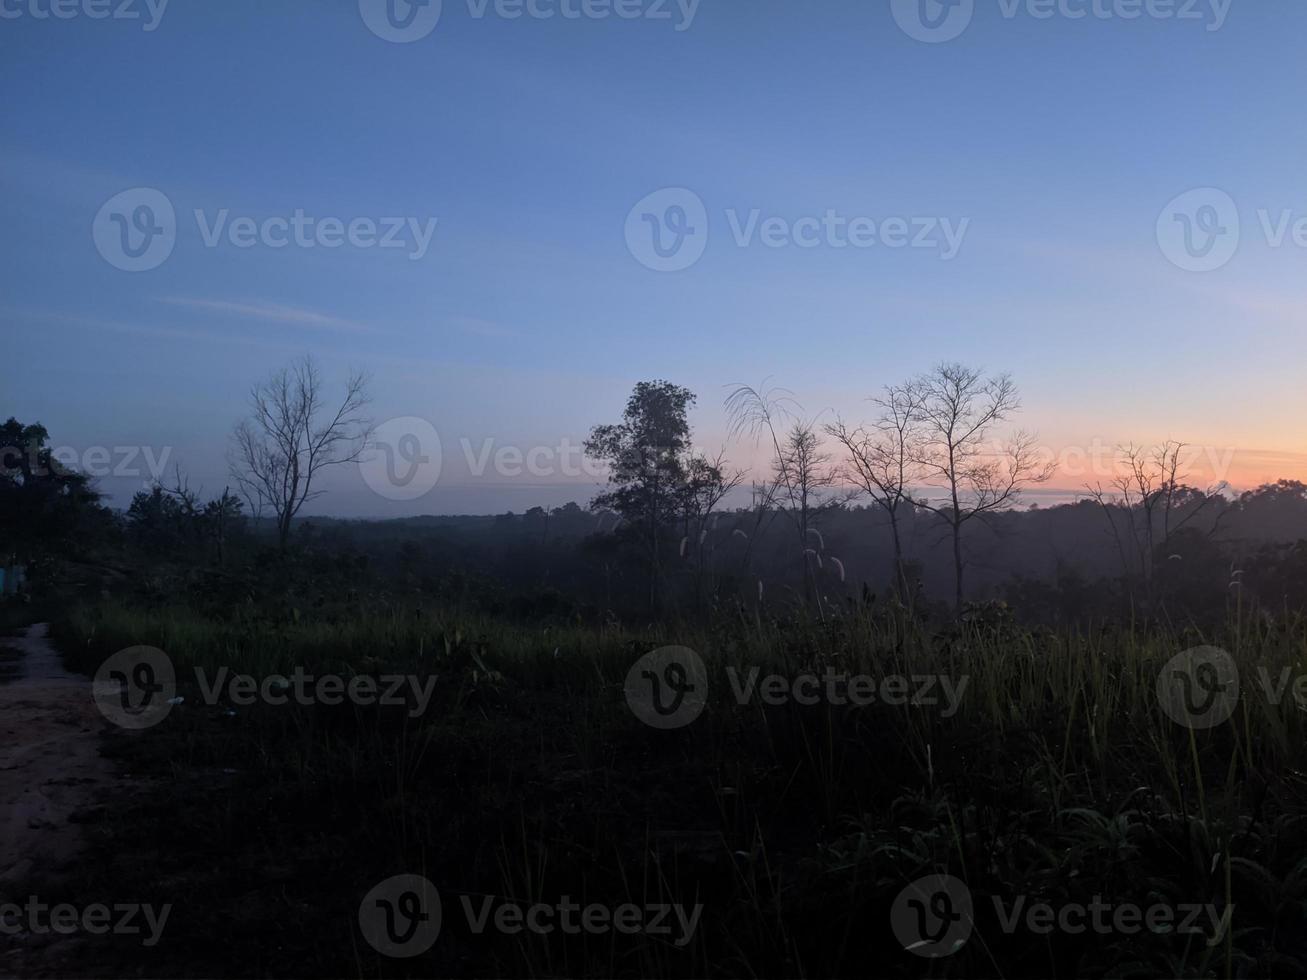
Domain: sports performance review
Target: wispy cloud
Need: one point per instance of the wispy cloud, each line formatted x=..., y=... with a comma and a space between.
x=274, y=312
x=26, y=317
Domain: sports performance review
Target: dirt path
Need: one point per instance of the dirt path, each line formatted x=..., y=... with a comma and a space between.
x=51, y=771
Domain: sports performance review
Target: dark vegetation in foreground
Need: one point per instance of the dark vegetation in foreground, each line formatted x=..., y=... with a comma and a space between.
x=528, y=778
x=795, y=826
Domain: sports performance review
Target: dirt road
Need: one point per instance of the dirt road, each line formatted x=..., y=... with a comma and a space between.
x=51, y=771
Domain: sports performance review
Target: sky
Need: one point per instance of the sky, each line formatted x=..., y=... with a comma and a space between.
x=1105, y=198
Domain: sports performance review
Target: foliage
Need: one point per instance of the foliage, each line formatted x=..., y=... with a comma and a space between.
x=45, y=508
x=795, y=825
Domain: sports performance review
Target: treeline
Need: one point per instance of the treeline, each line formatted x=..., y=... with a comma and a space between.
x=919, y=505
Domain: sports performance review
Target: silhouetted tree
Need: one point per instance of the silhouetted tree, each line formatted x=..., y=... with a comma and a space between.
x=880, y=461
x=648, y=455
x=175, y=521
x=707, y=483
x=46, y=509
x=959, y=408
x=291, y=435
x=1149, y=503
x=801, y=475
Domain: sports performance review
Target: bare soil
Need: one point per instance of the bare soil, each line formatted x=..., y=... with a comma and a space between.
x=51, y=776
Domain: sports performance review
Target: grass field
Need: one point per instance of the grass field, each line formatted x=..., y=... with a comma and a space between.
x=1052, y=774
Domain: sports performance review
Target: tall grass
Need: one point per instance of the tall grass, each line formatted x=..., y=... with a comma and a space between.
x=1059, y=776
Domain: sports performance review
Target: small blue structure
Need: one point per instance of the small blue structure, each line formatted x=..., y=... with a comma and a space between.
x=12, y=579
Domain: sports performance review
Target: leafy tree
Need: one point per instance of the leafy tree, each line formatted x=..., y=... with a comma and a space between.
x=648, y=454
x=46, y=509
x=1274, y=510
x=173, y=521
x=155, y=522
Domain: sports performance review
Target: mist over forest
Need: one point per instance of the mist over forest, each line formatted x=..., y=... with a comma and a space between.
x=840, y=516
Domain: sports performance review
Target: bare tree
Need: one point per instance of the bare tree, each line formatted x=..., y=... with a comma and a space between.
x=959, y=408
x=212, y=522
x=1155, y=502
x=1109, y=505
x=880, y=460
x=804, y=475
x=801, y=475
x=292, y=435
x=708, y=482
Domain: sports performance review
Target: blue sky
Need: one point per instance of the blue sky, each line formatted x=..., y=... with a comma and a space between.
x=1060, y=141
